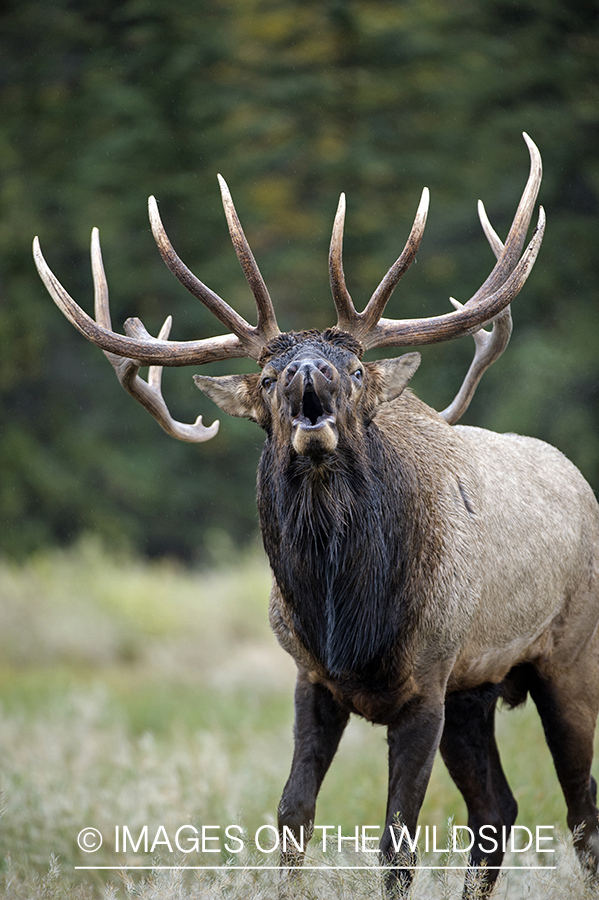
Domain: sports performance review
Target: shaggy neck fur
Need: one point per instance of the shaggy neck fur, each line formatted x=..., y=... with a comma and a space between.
x=341, y=537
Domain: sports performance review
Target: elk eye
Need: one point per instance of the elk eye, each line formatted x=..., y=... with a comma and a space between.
x=358, y=375
x=268, y=384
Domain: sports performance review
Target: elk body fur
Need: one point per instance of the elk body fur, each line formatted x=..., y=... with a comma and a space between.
x=421, y=569
x=421, y=572
x=482, y=543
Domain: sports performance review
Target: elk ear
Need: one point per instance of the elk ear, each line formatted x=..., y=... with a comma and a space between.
x=394, y=375
x=233, y=393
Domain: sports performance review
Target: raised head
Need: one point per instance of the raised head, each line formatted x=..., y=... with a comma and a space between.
x=308, y=377
x=314, y=387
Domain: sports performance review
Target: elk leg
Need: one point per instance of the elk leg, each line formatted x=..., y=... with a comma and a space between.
x=567, y=706
x=470, y=753
x=413, y=742
x=319, y=724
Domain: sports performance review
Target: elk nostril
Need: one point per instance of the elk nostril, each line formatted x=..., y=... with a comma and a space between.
x=325, y=369
x=289, y=373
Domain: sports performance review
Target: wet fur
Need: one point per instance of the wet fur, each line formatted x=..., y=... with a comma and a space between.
x=421, y=573
x=315, y=518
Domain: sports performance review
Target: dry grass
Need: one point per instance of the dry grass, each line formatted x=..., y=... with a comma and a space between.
x=143, y=694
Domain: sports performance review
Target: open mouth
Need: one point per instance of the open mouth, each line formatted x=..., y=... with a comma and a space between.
x=312, y=414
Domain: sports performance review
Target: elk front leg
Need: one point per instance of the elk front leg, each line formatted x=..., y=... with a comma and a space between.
x=319, y=724
x=413, y=741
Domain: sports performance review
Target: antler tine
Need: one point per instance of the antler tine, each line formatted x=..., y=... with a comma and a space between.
x=247, y=334
x=491, y=235
x=489, y=345
x=377, y=303
x=155, y=372
x=496, y=293
x=147, y=351
x=348, y=319
x=101, y=301
x=347, y=315
x=468, y=318
x=85, y=324
x=511, y=250
x=149, y=393
x=267, y=320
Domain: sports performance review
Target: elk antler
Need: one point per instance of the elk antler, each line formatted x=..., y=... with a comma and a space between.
x=496, y=293
x=127, y=353
x=489, y=344
x=149, y=393
x=252, y=338
x=348, y=318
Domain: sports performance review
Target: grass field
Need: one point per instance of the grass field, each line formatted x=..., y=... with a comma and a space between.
x=142, y=694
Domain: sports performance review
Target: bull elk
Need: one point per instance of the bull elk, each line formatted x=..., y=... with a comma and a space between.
x=420, y=571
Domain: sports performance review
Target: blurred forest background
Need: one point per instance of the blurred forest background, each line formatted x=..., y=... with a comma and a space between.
x=103, y=103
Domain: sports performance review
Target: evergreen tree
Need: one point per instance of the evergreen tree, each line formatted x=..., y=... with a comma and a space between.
x=104, y=103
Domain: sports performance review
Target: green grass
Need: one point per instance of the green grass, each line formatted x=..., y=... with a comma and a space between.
x=136, y=693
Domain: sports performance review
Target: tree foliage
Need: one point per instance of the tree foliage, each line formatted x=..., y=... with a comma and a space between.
x=104, y=103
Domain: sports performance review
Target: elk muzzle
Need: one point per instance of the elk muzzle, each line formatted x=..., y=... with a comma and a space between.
x=310, y=386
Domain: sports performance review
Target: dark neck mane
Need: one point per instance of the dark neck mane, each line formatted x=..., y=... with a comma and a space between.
x=340, y=536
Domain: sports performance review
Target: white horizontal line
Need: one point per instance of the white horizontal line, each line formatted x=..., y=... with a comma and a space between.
x=302, y=868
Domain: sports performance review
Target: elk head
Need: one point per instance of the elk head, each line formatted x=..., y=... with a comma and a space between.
x=313, y=389
x=312, y=386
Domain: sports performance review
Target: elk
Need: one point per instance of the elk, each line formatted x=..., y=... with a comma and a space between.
x=422, y=570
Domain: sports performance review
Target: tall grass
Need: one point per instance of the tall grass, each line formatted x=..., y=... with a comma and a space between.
x=135, y=693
